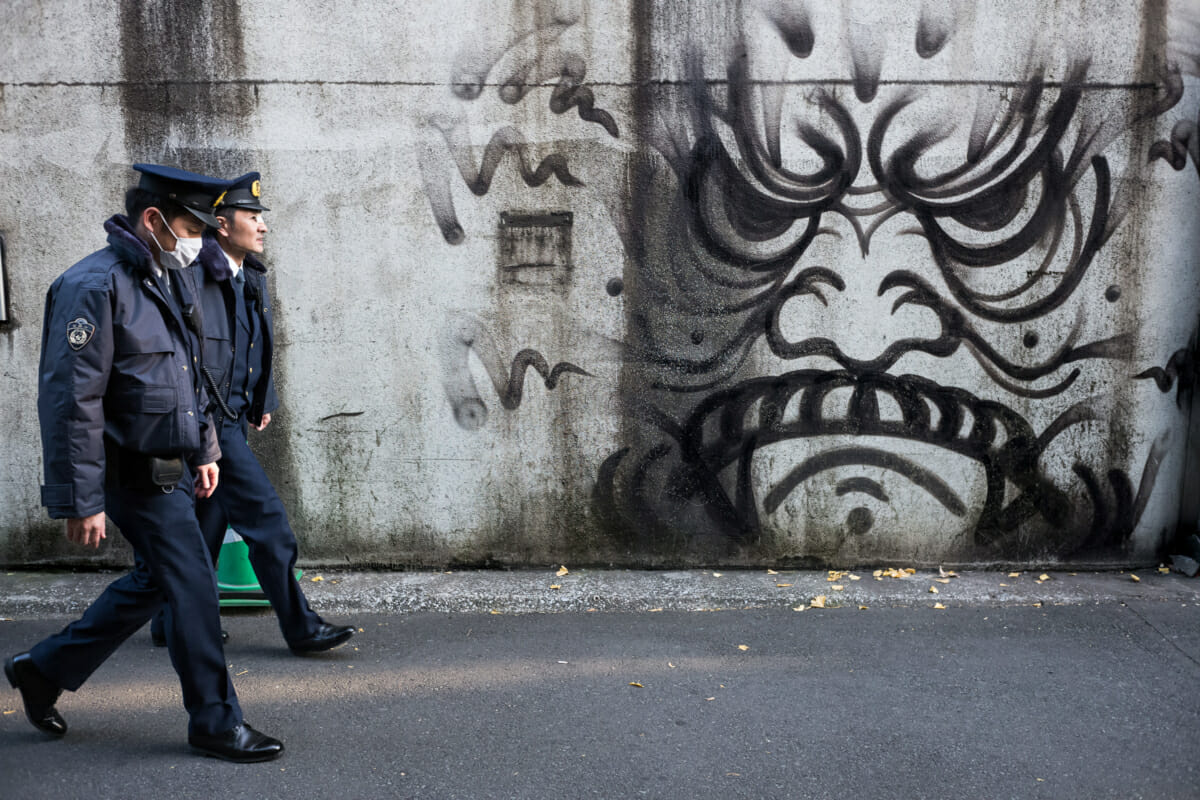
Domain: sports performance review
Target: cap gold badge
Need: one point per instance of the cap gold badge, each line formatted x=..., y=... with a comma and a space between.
x=256, y=189
x=220, y=197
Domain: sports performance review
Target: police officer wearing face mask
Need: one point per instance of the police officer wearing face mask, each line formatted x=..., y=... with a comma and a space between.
x=237, y=365
x=124, y=432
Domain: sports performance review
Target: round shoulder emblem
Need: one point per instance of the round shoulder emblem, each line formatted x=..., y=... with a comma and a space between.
x=79, y=332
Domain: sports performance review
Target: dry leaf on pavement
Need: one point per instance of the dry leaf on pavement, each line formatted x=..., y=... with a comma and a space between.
x=563, y=571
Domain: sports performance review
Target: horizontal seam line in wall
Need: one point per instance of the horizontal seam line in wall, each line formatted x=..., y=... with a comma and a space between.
x=714, y=82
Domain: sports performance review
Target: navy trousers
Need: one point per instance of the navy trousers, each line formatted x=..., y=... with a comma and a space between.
x=172, y=566
x=246, y=500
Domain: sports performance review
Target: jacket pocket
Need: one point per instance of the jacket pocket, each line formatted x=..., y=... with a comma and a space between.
x=153, y=399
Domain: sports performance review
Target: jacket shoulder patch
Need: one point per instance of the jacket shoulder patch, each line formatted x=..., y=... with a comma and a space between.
x=79, y=333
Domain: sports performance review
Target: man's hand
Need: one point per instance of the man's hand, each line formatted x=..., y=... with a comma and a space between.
x=206, y=480
x=87, y=531
x=266, y=420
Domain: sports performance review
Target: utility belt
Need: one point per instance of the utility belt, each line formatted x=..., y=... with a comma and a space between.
x=128, y=469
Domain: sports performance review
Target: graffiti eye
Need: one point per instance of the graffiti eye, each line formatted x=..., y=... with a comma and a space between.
x=745, y=225
x=1005, y=216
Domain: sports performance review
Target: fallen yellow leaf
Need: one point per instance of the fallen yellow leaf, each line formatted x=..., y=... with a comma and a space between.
x=1014, y=574
x=941, y=580
x=1043, y=577
x=555, y=586
x=710, y=698
x=669, y=664
x=743, y=647
x=818, y=601
x=11, y=711
x=636, y=685
x=837, y=587
x=1164, y=570
x=655, y=609
x=317, y=578
x=933, y=590
x=716, y=574
x=910, y=571
x=947, y=573
x=1004, y=584
x=494, y=611
x=939, y=606
x=854, y=578
x=800, y=608
x=862, y=608
x=1136, y=579
x=783, y=585
x=877, y=573
x=772, y=572
x=563, y=571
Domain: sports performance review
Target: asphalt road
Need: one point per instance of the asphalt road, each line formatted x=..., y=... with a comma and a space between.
x=1087, y=699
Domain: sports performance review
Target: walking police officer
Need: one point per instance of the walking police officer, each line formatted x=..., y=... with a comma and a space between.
x=237, y=365
x=125, y=431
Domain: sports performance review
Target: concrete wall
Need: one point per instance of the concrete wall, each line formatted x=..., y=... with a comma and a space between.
x=660, y=281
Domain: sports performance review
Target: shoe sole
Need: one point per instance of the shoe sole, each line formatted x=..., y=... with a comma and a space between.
x=11, y=674
x=230, y=759
x=336, y=644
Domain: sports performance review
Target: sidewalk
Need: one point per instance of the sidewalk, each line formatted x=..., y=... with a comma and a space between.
x=25, y=594
x=1080, y=686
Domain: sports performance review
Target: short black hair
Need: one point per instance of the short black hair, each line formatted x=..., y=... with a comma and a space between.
x=138, y=200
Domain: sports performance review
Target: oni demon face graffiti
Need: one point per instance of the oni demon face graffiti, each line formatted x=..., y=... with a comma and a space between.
x=879, y=301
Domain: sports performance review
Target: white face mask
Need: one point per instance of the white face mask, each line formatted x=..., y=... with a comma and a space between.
x=185, y=252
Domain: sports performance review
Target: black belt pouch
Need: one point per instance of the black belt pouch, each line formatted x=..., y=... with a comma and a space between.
x=127, y=469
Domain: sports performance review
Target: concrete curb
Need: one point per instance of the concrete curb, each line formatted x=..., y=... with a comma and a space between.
x=40, y=594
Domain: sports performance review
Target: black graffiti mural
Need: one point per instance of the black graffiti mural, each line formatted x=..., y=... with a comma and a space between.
x=859, y=304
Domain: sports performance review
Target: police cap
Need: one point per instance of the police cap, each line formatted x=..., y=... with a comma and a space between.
x=194, y=192
x=243, y=192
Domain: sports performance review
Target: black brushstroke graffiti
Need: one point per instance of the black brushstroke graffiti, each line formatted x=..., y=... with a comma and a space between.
x=467, y=334
x=479, y=178
x=1183, y=366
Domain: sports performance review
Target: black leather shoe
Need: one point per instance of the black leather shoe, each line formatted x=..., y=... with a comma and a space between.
x=38, y=694
x=327, y=637
x=160, y=639
x=242, y=745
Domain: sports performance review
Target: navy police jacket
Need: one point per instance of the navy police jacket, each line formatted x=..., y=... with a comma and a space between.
x=213, y=273
x=118, y=361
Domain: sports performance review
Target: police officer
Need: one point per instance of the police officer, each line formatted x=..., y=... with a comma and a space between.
x=237, y=364
x=124, y=431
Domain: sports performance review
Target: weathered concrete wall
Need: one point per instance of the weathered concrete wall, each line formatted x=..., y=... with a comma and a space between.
x=661, y=281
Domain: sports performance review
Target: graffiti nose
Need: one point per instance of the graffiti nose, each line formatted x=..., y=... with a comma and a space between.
x=861, y=319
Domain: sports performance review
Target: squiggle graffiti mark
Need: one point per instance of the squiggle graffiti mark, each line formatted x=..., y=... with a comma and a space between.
x=467, y=333
x=1181, y=366
x=436, y=178
x=527, y=62
x=508, y=140
x=1184, y=143
x=570, y=93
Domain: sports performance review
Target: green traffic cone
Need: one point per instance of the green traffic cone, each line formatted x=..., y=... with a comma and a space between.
x=236, y=581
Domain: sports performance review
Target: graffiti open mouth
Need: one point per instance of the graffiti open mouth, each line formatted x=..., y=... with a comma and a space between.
x=728, y=428
x=926, y=479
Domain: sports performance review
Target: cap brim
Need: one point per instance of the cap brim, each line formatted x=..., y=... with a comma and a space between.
x=204, y=216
